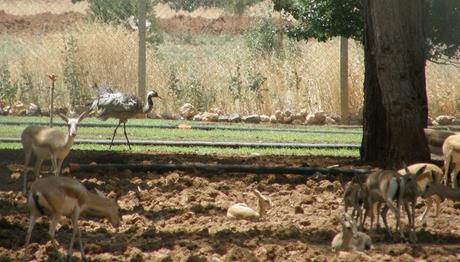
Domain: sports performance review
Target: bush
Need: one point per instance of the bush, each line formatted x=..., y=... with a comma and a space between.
x=233, y=6
x=8, y=89
x=73, y=74
x=264, y=37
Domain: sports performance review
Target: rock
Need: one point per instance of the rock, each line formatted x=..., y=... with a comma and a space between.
x=287, y=113
x=167, y=115
x=279, y=114
x=310, y=119
x=198, y=117
x=153, y=115
x=211, y=117
x=430, y=121
x=303, y=112
x=234, y=118
x=273, y=119
x=297, y=122
x=251, y=119
x=216, y=110
x=444, y=119
x=33, y=110
x=286, y=119
x=298, y=116
x=320, y=117
x=435, y=123
x=330, y=121
x=187, y=111
x=264, y=118
x=223, y=118
x=456, y=122
x=18, y=108
x=162, y=257
x=298, y=210
x=45, y=112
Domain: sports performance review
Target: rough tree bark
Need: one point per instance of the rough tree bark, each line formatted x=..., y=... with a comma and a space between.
x=395, y=101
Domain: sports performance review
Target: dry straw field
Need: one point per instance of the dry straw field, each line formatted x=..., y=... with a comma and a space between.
x=215, y=67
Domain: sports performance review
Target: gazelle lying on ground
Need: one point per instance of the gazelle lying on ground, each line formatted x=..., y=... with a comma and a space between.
x=386, y=186
x=355, y=196
x=63, y=196
x=350, y=239
x=451, y=152
x=48, y=143
x=242, y=211
x=436, y=175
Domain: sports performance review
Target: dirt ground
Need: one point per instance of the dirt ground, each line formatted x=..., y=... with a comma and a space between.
x=180, y=216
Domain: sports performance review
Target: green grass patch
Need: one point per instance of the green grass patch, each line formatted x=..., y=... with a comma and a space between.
x=211, y=150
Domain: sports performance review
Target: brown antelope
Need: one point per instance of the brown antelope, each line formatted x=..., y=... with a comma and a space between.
x=56, y=196
x=355, y=196
x=436, y=176
x=242, y=211
x=350, y=239
x=48, y=144
x=451, y=152
x=442, y=191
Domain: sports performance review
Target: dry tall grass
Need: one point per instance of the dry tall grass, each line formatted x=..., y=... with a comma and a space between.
x=305, y=76
x=32, y=7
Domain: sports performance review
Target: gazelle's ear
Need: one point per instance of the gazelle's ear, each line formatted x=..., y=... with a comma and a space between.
x=63, y=117
x=100, y=193
x=405, y=167
x=420, y=171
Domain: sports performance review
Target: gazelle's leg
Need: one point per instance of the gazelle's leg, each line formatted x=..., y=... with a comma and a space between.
x=59, y=166
x=28, y=155
x=54, y=164
x=38, y=165
x=52, y=230
x=32, y=219
x=454, y=174
x=75, y=215
x=428, y=204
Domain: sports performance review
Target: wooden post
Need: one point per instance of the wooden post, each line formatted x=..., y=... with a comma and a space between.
x=52, y=77
x=142, y=56
x=344, y=79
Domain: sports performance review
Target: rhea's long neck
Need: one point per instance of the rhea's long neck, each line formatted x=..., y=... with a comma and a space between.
x=148, y=105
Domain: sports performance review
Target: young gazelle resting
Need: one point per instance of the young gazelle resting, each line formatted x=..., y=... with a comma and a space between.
x=435, y=175
x=350, y=239
x=56, y=196
x=451, y=152
x=242, y=211
x=48, y=143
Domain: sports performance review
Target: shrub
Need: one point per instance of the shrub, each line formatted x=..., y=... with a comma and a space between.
x=8, y=89
x=264, y=37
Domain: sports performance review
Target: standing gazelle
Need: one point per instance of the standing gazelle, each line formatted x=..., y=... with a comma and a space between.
x=63, y=196
x=49, y=144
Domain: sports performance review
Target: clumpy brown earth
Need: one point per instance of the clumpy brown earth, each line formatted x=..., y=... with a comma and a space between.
x=180, y=216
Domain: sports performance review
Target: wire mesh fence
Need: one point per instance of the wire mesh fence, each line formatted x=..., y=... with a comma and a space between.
x=211, y=62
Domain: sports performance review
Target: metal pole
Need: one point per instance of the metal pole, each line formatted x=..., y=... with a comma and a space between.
x=344, y=79
x=52, y=77
x=142, y=56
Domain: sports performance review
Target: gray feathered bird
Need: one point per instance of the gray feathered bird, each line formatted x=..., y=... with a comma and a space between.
x=110, y=104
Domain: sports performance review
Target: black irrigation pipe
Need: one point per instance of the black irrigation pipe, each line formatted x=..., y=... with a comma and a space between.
x=199, y=127
x=202, y=143
x=216, y=169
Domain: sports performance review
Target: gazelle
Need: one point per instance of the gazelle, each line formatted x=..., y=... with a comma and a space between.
x=451, y=152
x=435, y=175
x=242, y=211
x=350, y=238
x=355, y=196
x=49, y=144
x=442, y=191
x=63, y=196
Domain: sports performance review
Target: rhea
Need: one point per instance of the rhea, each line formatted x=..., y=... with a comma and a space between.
x=49, y=144
x=110, y=104
x=63, y=196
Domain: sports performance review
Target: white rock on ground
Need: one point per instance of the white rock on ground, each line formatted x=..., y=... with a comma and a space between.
x=251, y=119
x=187, y=111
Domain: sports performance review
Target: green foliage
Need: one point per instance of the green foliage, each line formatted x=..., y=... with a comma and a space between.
x=246, y=89
x=192, y=91
x=8, y=89
x=73, y=74
x=324, y=19
x=235, y=84
x=26, y=90
x=264, y=37
x=233, y=6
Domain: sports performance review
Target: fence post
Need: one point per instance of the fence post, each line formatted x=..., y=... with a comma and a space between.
x=344, y=79
x=52, y=77
x=141, y=6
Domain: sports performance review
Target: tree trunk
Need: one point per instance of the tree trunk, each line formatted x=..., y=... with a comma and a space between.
x=395, y=102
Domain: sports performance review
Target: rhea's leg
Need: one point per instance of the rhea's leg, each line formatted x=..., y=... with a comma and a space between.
x=114, y=133
x=124, y=129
